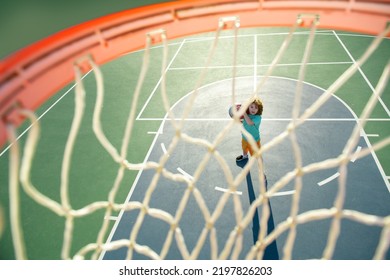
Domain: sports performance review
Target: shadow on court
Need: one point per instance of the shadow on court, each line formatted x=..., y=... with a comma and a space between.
x=271, y=252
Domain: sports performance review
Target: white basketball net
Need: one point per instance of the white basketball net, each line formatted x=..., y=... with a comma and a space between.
x=21, y=162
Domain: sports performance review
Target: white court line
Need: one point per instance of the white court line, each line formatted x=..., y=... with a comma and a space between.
x=283, y=193
x=227, y=191
x=359, y=35
x=255, y=64
x=153, y=47
x=188, y=176
x=327, y=180
x=44, y=113
x=372, y=135
x=164, y=149
x=358, y=149
x=160, y=80
x=133, y=186
x=259, y=65
x=111, y=218
x=208, y=38
x=363, y=75
x=318, y=32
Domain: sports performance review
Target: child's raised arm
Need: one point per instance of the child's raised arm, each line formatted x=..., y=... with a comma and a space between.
x=248, y=119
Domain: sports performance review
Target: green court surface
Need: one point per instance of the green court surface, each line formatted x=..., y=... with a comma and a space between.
x=24, y=22
x=93, y=171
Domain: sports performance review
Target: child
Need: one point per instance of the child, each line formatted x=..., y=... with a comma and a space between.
x=251, y=123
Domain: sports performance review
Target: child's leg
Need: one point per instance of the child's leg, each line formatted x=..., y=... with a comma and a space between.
x=245, y=150
x=249, y=147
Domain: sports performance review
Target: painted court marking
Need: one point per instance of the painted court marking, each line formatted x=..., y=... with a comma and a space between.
x=185, y=174
x=228, y=191
x=362, y=74
x=358, y=149
x=164, y=148
x=111, y=218
x=283, y=193
x=329, y=179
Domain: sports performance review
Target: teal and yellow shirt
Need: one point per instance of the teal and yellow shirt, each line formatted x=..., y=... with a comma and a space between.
x=254, y=129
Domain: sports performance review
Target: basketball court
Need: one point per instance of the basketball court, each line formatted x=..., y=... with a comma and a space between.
x=188, y=163
x=206, y=120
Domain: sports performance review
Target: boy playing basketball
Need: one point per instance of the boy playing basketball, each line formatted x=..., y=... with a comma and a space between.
x=251, y=123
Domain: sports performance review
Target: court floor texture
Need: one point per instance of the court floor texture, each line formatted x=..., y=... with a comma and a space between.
x=323, y=136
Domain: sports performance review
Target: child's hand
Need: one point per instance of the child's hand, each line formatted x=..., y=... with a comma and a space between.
x=248, y=119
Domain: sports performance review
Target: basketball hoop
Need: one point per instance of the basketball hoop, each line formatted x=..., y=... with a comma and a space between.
x=32, y=75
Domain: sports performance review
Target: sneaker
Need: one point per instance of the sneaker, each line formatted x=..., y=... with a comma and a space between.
x=241, y=157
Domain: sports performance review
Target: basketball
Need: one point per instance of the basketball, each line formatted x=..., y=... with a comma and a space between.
x=238, y=106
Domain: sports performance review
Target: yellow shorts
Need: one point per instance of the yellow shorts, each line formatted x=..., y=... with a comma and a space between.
x=246, y=147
